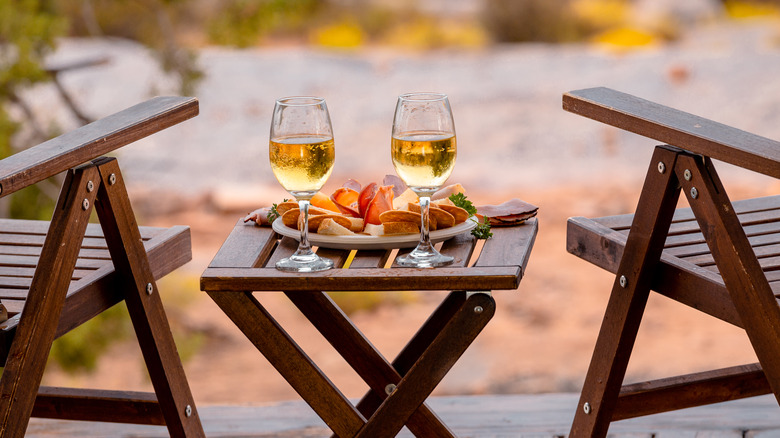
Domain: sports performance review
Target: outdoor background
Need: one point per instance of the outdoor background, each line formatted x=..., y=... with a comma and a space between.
x=504, y=64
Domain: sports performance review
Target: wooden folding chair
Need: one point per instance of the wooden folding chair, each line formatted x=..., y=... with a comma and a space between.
x=56, y=275
x=717, y=256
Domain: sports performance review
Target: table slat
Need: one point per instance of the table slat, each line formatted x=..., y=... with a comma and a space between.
x=246, y=246
x=269, y=279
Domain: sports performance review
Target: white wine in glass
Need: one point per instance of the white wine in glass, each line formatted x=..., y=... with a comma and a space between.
x=423, y=149
x=302, y=154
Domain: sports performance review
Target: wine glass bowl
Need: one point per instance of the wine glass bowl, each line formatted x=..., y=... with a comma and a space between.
x=302, y=153
x=423, y=150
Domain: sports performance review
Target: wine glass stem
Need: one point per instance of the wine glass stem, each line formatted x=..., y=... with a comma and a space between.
x=304, y=247
x=425, y=209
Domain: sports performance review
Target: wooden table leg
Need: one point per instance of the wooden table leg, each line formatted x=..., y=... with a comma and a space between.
x=417, y=345
x=434, y=363
x=290, y=361
x=375, y=370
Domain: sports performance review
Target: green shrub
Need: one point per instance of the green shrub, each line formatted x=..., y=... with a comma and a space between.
x=512, y=21
x=244, y=23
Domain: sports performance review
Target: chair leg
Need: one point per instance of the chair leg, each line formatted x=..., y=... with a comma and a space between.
x=38, y=323
x=742, y=274
x=629, y=296
x=144, y=304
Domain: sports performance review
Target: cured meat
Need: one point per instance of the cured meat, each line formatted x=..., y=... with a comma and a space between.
x=512, y=212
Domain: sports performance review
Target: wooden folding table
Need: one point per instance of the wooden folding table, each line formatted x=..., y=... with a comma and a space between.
x=398, y=390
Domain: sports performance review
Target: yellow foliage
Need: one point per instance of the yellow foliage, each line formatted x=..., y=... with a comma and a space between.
x=341, y=35
x=413, y=34
x=423, y=33
x=464, y=35
x=602, y=14
x=625, y=37
x=741, y=10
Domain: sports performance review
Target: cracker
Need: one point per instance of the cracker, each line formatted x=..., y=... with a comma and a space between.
x=391, y=228
x=459, y=214
x=399, y=216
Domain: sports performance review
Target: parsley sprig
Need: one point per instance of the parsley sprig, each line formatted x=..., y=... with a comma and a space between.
x=482, y=230
x=273, y=214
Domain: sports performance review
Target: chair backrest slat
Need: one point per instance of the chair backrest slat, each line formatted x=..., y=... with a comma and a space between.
x=92, y=141
x=677, y=128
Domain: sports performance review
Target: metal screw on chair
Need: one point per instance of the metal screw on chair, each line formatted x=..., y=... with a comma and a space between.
x=390, y=388
x=188, y=411
x=661, y=167
x=694, y=193
x=112, y=179
x=149, y=288
x=687, y=175
x=478, y=310
x=586, y=408
x=90, y=186
x=623, y=281
x=85, y=204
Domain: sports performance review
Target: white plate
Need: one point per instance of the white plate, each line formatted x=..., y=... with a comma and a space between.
x=372, y=242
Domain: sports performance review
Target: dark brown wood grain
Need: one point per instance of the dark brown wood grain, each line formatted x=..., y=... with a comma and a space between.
x=510, y=246
x=144, y=305
x=281, y=351
x=690, y=390
x=446, y=278
x=91, y=291
x=98, y=405
x=675, y=278
x=56, y=275
x=36, y=329
x=719, y=257
x=627, y=301
x=367, y=362
x=247, y=246
x=677, y=128
x=424, y=361
x=744, y=278
x=434, y=363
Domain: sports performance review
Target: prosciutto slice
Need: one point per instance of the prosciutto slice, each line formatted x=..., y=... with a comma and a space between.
x=512, y=212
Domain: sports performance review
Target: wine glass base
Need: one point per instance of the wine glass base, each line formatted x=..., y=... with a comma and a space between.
x=311, y=263
x=423, y=259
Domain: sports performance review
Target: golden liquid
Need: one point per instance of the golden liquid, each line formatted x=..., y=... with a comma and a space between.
x=424, y=160
x=302, y=164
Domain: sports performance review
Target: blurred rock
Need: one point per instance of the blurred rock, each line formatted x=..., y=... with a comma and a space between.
x=685, y=12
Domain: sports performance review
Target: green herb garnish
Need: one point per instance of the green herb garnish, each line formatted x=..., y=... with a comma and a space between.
x=482, y=230
x=273, y=214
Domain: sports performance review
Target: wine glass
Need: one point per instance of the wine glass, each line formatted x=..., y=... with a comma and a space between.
x=423, y=150
x=302, y=153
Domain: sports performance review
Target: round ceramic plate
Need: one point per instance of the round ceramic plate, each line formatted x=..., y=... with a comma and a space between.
x=372, y=242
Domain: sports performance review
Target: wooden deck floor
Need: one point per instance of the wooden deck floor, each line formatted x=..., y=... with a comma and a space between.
x=547, y=415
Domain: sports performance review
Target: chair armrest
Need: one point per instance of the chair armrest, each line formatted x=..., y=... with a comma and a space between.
x=94, y=140
x=677, y=128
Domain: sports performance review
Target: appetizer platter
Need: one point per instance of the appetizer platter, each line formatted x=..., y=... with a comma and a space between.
x=387, y=215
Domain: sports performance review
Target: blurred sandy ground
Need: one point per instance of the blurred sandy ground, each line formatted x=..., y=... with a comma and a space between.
x=514, y=141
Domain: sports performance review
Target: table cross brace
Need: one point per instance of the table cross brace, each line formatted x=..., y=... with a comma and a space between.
x=397, y=390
